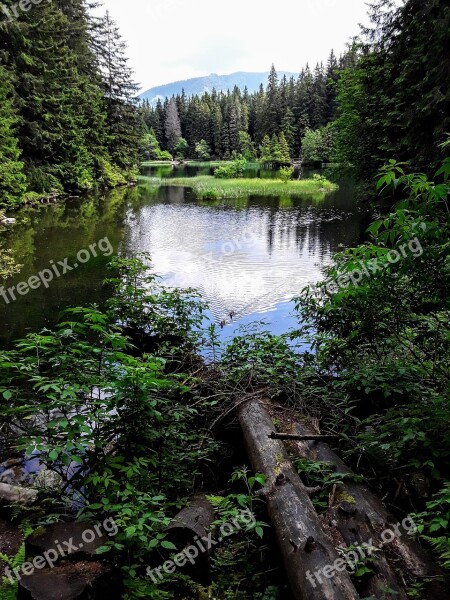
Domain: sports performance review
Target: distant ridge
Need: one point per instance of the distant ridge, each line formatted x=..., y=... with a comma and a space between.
x=221, y=83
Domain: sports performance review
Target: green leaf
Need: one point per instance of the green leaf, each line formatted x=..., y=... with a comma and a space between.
x=168, y=545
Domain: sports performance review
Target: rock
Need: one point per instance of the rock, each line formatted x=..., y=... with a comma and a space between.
x=80, y=581
x=7, y=221
x=45, y=539
x=47, y=479
x=12, y=494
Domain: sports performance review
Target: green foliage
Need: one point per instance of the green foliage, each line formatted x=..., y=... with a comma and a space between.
x=318, y=146
x=8, y=589
x=122, y=423
x=231, y=171
x=202, y=150
x=382, y=339
x=68, y=119
x=243, y=188
x=265, y=150
x=181, y=148
x=151, y=149
x=285, y=173
x=273, y=119
x=386, y=107
x=209, y=195
x=434, y=524
x=247, y=146
x=12, y=178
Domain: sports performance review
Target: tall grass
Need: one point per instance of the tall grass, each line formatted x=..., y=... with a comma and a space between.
x=209, y=187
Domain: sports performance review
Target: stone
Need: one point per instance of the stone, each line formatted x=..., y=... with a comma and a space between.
x=12, y=494
x=83, y=580
x=78, y=534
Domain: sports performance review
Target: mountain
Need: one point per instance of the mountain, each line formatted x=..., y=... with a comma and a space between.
x=221, y=83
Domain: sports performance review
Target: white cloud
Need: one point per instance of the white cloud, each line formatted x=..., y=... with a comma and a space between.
x=170, y=40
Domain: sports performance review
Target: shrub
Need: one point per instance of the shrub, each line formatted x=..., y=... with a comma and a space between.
x=233, y=170
x=285, y=173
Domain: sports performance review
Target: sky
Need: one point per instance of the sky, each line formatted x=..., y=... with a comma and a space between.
x=171, y=40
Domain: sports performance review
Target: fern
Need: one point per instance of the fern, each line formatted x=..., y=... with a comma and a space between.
x=8, y=589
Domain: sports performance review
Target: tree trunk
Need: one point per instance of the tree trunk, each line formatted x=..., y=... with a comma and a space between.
x=308, y=554
x=192, y=522
x=189, y=527
x=361, y=518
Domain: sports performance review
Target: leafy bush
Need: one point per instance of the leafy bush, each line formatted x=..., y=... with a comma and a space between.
x=231, y=171
x=202, y=150
x=382, y=343
x=285, y=173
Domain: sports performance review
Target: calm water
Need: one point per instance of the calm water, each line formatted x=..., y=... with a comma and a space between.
x=247, y=257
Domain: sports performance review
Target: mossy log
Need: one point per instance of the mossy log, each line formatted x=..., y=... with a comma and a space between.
x=304, y=546
x=361, y=518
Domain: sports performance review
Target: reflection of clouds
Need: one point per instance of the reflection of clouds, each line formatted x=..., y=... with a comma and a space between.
x=243, y=261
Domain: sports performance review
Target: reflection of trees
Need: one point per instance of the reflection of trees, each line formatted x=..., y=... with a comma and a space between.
x=54, y=232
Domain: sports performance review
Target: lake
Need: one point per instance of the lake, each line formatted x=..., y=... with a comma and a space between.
x=248, y=257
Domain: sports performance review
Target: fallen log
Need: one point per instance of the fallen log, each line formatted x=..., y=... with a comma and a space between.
x=302, y=438
x=362, y=519
x=308, y=554
x=191, y=527
x=194, y=521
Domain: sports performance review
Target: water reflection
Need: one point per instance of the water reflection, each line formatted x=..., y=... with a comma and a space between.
x=248, y=257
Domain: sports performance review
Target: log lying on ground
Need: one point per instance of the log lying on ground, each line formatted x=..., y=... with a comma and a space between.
x=192, y=522
x=191, y=526
x=305, y=548
x=361, y=518
x=302, y=438
x=13, y=494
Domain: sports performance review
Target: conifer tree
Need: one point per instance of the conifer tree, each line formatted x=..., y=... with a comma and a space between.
x=12, y=178
x=120, y=92
x=285, y=155
x=265, y=150
x=172, y=125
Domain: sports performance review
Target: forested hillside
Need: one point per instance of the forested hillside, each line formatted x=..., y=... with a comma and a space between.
x=197, y=85
x=387, y=96
x=68, y=120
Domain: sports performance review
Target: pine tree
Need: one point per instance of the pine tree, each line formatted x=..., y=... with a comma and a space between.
x=172, y=125
x=265, y=150
x=285, y=155
x=332, y=77
x=120, y=94
x=12, y=178
x=272, y=108
x=288, y=130
x=215, y=129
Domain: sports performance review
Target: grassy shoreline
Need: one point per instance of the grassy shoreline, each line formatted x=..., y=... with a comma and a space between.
x=206, y=186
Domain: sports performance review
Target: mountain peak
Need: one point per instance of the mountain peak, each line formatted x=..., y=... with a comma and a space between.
x=221, y=83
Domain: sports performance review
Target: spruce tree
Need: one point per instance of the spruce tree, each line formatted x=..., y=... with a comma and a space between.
x=172, y=125
x=285, y=155
x=265, y=150
x=12, y=178
x=120, y=90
